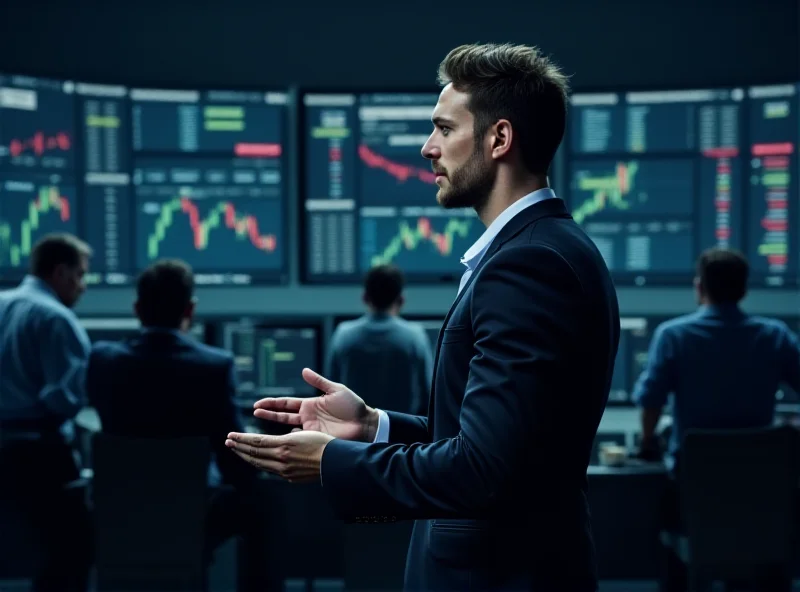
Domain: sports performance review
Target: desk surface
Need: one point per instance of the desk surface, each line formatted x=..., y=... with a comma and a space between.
x=628, y=469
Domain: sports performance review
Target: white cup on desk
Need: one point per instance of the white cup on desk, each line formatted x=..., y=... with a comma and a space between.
x=612, y=454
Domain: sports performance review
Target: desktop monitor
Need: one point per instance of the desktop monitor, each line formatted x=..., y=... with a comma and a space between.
x=210, y=182
x=269, y=359
x=39, y=174
x=657, y=177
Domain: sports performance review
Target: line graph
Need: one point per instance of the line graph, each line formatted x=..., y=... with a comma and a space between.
x=396, y=176
x=646, y=188
x=222, y=216
x=608, y=191
x=27, y=213
x=400, y=172
x=418, y=244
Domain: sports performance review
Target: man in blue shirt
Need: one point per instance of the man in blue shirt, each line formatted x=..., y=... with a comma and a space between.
x=43, y=357
x=381, y=353
x=719, y=366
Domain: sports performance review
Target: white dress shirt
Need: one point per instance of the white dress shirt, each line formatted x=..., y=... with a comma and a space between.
x=471, y=259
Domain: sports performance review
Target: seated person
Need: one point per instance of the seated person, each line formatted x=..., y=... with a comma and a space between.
x=721, y=368
x=382, y=353
x=164, y=384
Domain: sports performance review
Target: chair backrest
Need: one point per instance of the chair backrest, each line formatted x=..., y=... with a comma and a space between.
x=738, y=490
x=150, y=499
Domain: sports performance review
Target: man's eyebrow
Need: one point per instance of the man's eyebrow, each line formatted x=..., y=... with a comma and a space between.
x=440, y=121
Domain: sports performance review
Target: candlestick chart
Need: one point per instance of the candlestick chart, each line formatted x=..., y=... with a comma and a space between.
x=211, y=233
x=422, y=244
x=30, y=209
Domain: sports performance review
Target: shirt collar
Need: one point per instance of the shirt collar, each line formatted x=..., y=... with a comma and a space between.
x=721, y=310
x=474, y=254
x=38, y=284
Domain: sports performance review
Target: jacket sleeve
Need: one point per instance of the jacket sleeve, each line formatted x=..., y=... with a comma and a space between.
x=524, y=302
x=407, y=429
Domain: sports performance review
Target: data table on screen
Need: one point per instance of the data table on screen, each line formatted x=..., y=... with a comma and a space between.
x=269, y=360
x=773, y=246
x=107, y=221
x=187, y=121
x=105, y=119
x=674, y=186
x=225, y=218
x=31, y=206
x=37, y=124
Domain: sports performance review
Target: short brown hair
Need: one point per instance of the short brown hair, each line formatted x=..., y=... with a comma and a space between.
x=163, y=291
x=517, y=83
x=56, y=249
x=723, y=275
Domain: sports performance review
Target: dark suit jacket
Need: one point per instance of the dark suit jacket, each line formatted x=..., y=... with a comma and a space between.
x=496, y=474
x=163, y=384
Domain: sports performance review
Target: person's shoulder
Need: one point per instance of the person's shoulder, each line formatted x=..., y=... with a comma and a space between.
x=210, y=354
x=106, y=352
x=771, y=324
x=411, y=328
x=528, y=263
x=348, y=329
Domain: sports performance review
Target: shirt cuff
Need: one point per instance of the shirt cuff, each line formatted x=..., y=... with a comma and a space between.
x=382, y=434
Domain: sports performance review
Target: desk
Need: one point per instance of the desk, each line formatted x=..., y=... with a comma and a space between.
x=626, y=512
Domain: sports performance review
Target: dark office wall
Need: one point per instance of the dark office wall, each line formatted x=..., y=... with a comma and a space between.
x=359, y=42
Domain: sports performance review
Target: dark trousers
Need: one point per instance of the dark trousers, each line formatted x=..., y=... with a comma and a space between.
x=34, y=474
x=237, y=513
x=675, y=574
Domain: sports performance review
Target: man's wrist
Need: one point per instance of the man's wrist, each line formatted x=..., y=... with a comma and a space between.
x=371, y=422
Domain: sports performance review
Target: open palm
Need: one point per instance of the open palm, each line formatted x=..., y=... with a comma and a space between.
x=339, y=412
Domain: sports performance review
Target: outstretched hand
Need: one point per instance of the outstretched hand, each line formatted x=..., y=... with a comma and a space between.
x=339, y=412
x=297, y=457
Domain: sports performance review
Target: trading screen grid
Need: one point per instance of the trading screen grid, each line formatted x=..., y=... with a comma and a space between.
x=654, y=178
x=143, y=174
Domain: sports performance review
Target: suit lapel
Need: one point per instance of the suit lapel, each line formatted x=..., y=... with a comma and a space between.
x=543, y=209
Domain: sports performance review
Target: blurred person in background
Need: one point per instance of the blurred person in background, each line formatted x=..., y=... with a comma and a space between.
x=143, y=387
x=43, y=355
x=382, y=353
x=721, y=369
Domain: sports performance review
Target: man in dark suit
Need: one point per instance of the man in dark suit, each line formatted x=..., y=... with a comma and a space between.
x=495, y=475
x=143, y=387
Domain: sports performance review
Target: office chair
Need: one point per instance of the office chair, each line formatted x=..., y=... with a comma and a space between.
x=150, y=501
x=738, y=491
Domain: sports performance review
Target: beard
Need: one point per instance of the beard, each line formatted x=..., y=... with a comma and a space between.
x=469, y=185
